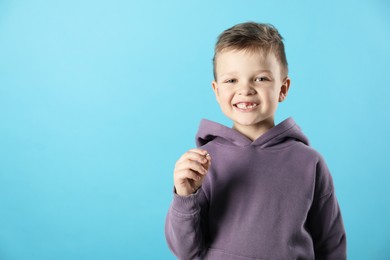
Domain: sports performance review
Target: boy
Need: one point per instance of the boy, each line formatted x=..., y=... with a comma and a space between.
x=254, y=191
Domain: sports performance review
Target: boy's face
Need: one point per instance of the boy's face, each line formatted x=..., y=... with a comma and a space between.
x=248, y=87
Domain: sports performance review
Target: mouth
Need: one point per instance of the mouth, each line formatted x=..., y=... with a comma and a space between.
x=245, y=106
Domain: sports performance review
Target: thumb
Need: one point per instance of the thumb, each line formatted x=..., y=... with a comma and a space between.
x=208, y=163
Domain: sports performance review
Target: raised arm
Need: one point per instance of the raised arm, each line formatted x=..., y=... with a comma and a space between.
x=184, y=227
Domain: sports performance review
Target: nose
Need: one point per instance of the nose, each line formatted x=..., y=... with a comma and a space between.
x=246, y=89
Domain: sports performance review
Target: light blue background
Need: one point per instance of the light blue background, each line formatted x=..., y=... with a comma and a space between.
x=99, y=98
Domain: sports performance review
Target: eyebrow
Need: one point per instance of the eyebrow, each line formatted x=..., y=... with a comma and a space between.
x=233, y=73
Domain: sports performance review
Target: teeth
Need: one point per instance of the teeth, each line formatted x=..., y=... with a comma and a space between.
x=245, y=105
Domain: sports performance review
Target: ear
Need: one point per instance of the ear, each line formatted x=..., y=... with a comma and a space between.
x=214, y=84
x=284, y=89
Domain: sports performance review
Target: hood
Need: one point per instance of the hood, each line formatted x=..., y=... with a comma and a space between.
x=284, y=132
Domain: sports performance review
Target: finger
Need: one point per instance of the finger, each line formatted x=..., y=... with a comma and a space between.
x=208, y=157
x=183, y=175
x=208, y=164
x=192, y=165
x=194, y=156
x=199, y=151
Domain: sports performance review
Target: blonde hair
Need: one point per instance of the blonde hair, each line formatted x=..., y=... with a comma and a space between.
x=252, y=37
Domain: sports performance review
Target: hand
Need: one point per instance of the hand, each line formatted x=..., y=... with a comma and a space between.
x=190, y=171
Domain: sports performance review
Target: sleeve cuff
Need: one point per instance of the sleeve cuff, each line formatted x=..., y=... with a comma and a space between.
x=186, y=204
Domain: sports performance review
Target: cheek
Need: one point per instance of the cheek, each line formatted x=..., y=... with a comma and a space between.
x=271, y=94
x=225, y=96
x=270, y=97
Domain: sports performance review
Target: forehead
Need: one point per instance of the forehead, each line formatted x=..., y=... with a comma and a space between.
x=231, y=59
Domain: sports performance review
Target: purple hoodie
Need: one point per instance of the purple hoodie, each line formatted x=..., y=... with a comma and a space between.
x=272, y=198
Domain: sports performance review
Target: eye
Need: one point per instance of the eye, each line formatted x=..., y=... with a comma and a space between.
x=230, y=81
x=260, y=79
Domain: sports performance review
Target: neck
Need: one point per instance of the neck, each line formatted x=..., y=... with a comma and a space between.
x=253, y=132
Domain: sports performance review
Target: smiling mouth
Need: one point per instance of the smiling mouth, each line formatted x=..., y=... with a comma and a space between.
x=245, y=105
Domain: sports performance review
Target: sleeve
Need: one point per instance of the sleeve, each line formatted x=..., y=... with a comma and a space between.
x=184, y=226
x=325, y=222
